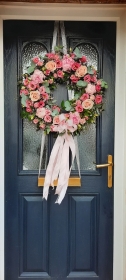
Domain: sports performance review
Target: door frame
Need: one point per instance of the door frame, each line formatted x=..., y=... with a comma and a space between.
x=81, y=12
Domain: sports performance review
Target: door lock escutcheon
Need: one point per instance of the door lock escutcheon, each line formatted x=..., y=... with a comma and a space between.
x=109, y=165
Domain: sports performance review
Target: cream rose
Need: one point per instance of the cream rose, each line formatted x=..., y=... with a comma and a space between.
x=50, y=65
x=81, y=71
x=87, y=104
x=34, y=95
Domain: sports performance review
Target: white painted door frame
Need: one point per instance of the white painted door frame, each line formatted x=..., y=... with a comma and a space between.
x=81, y=12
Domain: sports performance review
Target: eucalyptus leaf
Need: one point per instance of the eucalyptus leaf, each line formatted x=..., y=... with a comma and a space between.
x=62, y=104
x=77, y=53
x=24, y=98
x=89, y=70
x=55, y=113
x=81, y=83
x=31, y=69
x=47, y=89
x=77, y=96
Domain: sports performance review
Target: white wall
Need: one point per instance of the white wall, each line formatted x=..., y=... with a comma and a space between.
x=91, y=13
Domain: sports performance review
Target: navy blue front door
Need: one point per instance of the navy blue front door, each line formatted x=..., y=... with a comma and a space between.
x=42, y=239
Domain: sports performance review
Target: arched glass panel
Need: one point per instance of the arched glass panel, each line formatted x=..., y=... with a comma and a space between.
x=31, y=138
x=87, y=139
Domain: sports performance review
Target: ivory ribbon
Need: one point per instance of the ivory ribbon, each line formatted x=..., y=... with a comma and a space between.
x=58, y=166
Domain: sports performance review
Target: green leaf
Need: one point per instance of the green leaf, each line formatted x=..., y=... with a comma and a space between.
x=81, y=83
x=89, y=70
x=104, y=84
x=55, y=113
x=78, y=53
x=47, y=89
x=67, y=105
x=62, y=104
x=33, y=64
x=30, y=69
x=24, y=98
x=48, y=130
x=77, y=96
x=46, y=84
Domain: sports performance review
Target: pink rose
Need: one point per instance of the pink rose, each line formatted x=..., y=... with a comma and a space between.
x=98, y=88
x=58, y=63
x=42, y=89
x=29, y=103
x=67, y=62
x=83, y=59
x=42, y=126
x=47, y=119
x=84, y=96
x=41, y=103
x=51, y=65
x=74, y=79
x=56, y=120
x=26, y=82
x=79, y=108
x=28, y=110
x=35, y=121
x=24, y=91
x=98, y=82
x=41, y=112
x=60, y=74
x=98, y=99
x=87, y=104
x=81, y=71
x=38, y=76
x=47, y=72
x=35, y=95
x=75, y=66
x=32, y=85
x=36, y=104
x=87, y=78
x=55, y=75
x=50, y=81
x=90, y=89
x=92, y=97
x=45, y=96
x=40, y=63
x=94, y=79
x=56, y=57
x=35, y=59
x=48, y=112
x=83, y=121
x=78, y=102
x=50, y=55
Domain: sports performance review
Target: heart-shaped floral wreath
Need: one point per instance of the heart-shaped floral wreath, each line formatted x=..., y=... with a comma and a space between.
x=42, y=77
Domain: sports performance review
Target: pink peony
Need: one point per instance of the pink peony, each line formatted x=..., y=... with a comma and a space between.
x=41, y=112
x=47, y=119
x=87, y=104
x=67, y=63
x=84, y=96
x=98, y=99
x=90, y=89
x=75, y=117
x=38, y=76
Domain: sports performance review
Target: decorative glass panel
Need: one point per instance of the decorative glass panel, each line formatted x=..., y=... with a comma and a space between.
x=87, y=139
x=31, y=138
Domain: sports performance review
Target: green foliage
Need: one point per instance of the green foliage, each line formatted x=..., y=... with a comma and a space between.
x=77, y=53
x=24, y=98
x=81, y=83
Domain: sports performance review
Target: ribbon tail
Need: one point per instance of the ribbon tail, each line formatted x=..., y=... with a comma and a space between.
x=50, y=167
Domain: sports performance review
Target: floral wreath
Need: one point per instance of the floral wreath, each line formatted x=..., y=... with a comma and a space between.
x=42, y=77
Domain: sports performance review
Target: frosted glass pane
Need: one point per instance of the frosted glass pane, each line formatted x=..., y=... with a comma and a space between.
x=87, y=139
x=31, y=137
x=31, y=147
x=87, y=149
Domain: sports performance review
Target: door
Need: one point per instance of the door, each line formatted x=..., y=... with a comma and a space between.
x=42, y=239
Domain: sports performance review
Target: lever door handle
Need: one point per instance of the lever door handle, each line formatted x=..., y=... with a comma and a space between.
x=109, y=165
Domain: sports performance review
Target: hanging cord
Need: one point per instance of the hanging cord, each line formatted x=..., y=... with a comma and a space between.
x=55, y=33
x=63, y=36
x=41, y=152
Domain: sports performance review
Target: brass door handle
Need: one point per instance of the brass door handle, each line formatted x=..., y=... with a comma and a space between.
x=109, y=165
